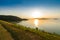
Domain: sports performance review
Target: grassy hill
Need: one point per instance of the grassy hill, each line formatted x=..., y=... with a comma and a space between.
x=19, y=32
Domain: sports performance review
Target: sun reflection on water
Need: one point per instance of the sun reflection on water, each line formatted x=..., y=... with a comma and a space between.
x=36, y=22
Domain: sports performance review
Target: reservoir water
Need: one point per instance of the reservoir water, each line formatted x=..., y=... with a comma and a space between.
x=52, y=26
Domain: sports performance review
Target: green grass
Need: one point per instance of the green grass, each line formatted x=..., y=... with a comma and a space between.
x=20, y=32
x=4, y=34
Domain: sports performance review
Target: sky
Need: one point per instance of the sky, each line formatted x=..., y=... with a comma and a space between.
x=30, y=8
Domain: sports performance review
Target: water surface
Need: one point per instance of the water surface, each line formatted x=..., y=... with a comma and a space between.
x=46, y=25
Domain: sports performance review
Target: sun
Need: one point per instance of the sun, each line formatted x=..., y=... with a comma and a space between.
x=36, y=14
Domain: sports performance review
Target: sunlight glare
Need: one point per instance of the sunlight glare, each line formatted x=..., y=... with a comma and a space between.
x=36, y=14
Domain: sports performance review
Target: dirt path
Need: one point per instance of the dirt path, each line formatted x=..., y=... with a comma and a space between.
x=4, y=34
x=19, y=34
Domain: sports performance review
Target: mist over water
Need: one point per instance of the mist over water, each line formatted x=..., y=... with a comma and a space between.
x=52, y=26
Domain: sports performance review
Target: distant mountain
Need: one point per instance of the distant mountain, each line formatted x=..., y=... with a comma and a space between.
x=11, y=18
x=47, y=18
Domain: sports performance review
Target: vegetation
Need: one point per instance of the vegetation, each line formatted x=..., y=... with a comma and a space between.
x=19, y=32
x=4, y=34
x=10, y=18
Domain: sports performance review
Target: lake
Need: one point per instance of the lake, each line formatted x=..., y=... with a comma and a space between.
x=52, y=26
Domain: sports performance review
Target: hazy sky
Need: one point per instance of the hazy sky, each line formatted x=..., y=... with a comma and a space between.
x=25, y=8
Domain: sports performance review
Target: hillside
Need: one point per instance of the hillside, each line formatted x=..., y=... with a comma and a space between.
x=19, y=32
x=10, y=18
